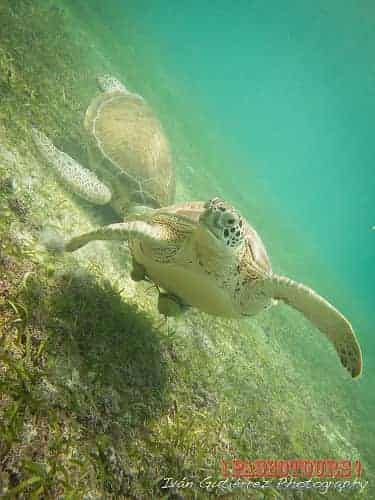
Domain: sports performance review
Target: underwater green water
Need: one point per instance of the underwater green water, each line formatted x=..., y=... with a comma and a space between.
x=282, y=96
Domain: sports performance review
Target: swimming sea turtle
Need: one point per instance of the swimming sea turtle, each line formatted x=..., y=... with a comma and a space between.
x=127, y=148
x=206, y=255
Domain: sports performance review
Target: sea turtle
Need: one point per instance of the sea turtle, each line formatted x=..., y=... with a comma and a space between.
x=127, y=148
x=206, y=255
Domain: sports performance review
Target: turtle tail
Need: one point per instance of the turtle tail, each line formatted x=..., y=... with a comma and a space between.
x=79, y=179
x=324, y=316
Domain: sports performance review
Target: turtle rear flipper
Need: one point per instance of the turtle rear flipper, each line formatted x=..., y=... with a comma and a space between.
x=138, y=272
x=169, y=305
x=324, y=316
x=79, y=179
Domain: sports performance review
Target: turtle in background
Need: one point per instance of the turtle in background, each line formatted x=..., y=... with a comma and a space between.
x=206, y=255
x=128, y=152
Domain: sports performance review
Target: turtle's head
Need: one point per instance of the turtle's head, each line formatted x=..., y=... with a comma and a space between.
x=108, y=83
x=223, y=222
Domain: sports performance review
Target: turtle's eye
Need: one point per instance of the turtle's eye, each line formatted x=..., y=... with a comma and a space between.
x=229, y=219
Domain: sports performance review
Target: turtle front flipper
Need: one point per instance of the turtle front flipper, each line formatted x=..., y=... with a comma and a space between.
x=154, y=234
x=323, y=315
x=79, y=179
